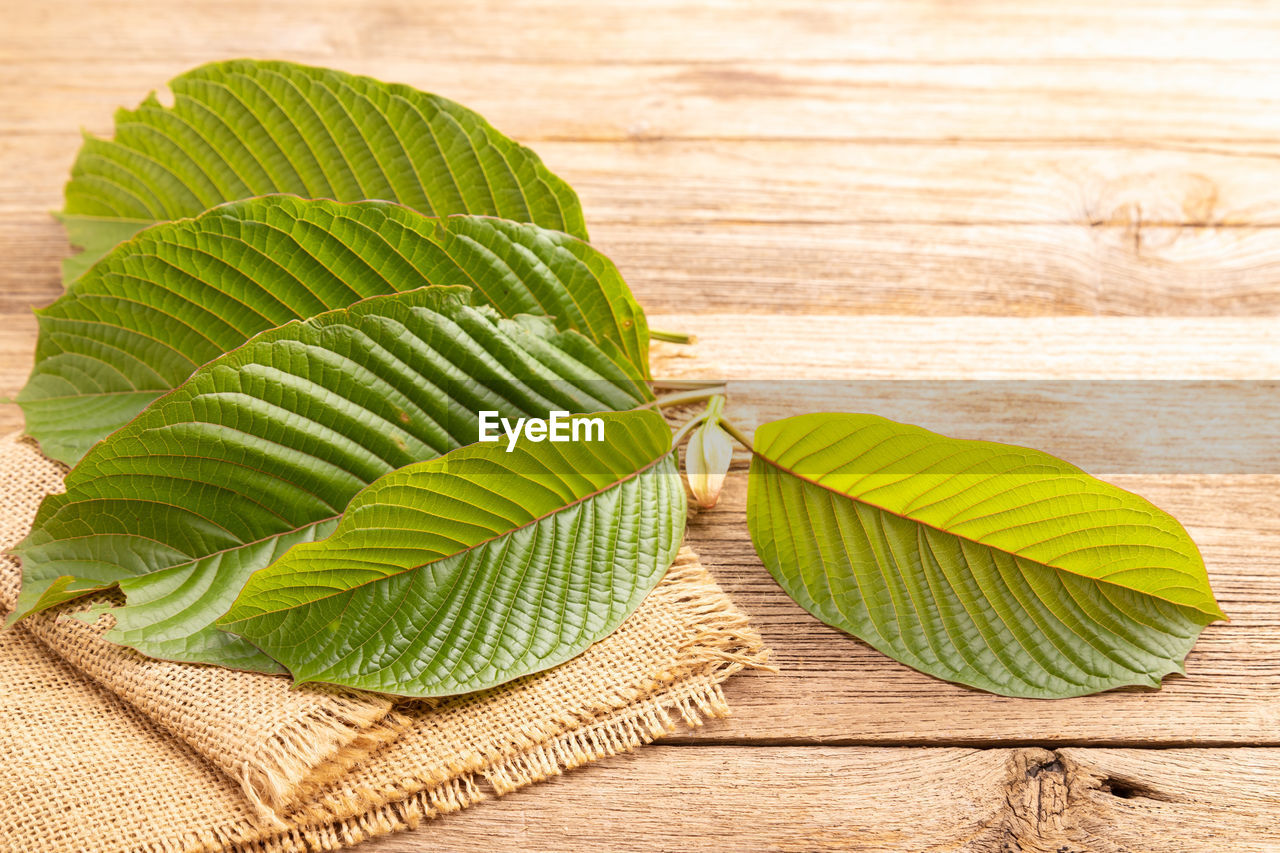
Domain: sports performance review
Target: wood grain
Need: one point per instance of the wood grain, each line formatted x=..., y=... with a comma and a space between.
x=861, y=799
x=846, y=178
x=997, y=270
x=821, y=182
x=763, y=99
x=592, y=32
x=750, y=347
x=752, y=166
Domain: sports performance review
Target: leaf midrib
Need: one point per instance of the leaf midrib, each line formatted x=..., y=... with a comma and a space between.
x=221, y=551
x=508, y=532
x=876, y=506
x=229, y=549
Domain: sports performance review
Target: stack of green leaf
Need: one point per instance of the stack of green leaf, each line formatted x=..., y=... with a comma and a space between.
x=298, y=290
x=270, y=392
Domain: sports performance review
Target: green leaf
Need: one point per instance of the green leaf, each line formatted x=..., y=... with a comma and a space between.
x=180, y=294
x=991, y=565
x=263, y=446
x=246, y=128
x=95, y=236
x=169, y=614
x=481, y=566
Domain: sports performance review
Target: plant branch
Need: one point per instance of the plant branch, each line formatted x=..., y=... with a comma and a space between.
x=671, y=337
x=713, y=410
x=688, y=384
x=729, y=427
x=687, y=428
x=678, y=398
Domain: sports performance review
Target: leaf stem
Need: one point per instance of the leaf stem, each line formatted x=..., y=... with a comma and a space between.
x=672, y=337
x=677, y=398
x=687, y=428
x=729, y=427
x=688, y=383
x=713, y=410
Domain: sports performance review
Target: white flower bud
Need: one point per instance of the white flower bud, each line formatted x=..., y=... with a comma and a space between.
x=706, y=461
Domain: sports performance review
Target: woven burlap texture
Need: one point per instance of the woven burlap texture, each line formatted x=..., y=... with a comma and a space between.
x=102, y=749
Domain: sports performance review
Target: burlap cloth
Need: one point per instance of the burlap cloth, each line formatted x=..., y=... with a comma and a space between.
x=102, y=749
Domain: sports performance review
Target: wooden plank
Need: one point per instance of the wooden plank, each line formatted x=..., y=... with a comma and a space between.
x=819, y=182
x=586, y=31
x=686, y=183
x=750, y=347
x=809, y=227
x=873, y=269
x=931, y=270
x=1053, y=100
x=883, y=799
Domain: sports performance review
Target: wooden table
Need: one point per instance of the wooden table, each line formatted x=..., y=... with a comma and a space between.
x=825, y=189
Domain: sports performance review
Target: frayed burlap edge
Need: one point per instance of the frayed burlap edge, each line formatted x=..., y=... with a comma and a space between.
x=317, y=745
x=623, y=732
x=359, y=804
x=313, y=752
x=724, y=645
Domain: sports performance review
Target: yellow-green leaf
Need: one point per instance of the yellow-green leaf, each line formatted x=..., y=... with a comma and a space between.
x=995, y=566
